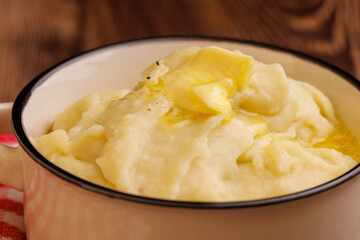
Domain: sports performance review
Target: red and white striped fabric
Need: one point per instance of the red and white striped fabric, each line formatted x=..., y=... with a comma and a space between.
x=11, y=206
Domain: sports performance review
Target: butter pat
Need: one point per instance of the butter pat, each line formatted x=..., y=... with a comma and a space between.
x=205, y=82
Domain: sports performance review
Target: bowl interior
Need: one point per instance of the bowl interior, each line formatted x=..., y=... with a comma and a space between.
x=119, y=66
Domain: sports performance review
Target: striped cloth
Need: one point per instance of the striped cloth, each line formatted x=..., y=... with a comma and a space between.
x=11, y=207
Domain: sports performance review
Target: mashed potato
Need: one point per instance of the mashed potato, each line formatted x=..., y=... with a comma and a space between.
x=205, y=125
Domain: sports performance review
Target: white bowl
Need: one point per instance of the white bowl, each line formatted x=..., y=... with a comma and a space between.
x=59, y=205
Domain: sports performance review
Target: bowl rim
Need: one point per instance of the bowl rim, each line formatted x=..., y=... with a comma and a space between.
x=25, y=94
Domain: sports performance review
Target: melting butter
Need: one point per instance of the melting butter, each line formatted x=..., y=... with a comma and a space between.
x=205, y=83
x=342, y=140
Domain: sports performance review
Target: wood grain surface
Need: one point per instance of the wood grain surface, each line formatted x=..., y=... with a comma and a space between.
x=36, y=34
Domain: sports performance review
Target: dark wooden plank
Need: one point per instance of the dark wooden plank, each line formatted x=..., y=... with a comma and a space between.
x=37, y=34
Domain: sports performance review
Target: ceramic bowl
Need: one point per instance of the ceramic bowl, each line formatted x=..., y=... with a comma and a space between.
x=59, y=205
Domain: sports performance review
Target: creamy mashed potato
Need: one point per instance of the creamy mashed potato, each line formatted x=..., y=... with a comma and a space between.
x=205, y=125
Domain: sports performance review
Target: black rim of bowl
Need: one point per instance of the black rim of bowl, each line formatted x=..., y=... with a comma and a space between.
x=21, y=136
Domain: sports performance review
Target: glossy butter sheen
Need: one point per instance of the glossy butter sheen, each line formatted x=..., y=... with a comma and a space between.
x=205, y=125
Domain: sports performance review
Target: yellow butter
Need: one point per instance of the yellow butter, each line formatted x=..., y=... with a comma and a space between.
x=205, y=83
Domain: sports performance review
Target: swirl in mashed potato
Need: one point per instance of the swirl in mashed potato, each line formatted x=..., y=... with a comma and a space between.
x=207, y=124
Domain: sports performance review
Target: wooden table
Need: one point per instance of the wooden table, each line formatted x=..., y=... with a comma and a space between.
x=36, y=34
